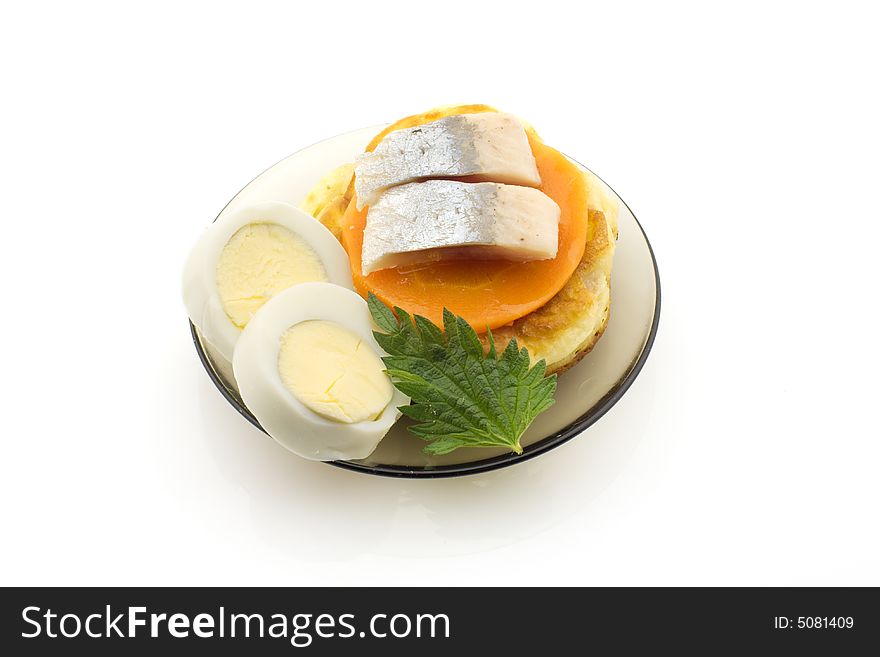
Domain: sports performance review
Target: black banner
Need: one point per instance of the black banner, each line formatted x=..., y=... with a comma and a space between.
x=335, y=621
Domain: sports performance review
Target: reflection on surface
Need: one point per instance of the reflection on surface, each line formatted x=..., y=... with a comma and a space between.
x=321, y=513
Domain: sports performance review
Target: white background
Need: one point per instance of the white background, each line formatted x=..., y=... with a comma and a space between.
x=745, y=140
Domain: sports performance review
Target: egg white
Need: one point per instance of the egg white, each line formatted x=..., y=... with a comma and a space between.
x=200, y=294
x=280, y=413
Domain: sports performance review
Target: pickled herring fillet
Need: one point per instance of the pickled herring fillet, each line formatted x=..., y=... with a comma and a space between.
x=490, y=144
x=445, y=219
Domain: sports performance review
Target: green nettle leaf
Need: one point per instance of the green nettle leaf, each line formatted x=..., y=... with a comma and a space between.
x=461, y=396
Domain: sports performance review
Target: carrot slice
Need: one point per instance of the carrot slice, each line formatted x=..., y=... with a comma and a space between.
x=487, y=293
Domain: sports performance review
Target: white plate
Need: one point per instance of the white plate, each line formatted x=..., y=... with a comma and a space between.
x=584, y=392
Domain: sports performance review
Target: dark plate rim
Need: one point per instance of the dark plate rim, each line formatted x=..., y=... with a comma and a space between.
x=591, y=416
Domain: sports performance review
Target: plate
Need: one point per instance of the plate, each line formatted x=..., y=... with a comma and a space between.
x=584, y=393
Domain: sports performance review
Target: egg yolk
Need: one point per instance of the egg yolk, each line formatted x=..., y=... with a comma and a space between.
x=259, y=261
x=332, y=372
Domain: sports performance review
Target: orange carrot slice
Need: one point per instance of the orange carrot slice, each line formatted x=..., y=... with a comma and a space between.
x=487, y=293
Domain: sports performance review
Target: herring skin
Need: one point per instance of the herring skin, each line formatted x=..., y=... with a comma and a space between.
x=437, y=220
x=490, y=144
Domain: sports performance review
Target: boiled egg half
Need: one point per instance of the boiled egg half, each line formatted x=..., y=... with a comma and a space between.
x=250, y=256
x=310, y=371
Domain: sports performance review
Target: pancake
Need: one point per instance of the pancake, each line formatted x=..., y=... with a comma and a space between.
x=569, y=325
